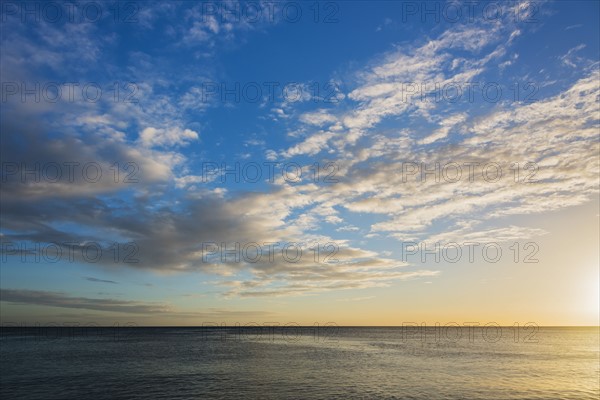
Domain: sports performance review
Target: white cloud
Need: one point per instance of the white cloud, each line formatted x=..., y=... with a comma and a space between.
x=160, y=137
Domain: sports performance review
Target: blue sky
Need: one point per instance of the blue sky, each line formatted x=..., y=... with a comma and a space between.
x=340, y=82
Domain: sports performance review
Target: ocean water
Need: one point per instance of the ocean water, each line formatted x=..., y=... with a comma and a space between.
x=300, y=363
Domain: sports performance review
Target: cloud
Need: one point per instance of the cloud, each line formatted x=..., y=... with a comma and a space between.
x=387, y=87
x=57, y=299
x=570, y=59
x=347, y=228
x=557, y=135
x=314, y=144
x=357, y=298
x=446, y=125
x=318, y=118
x=152, y=137
x=169, y=213
x=139, y=308
x=92, y=279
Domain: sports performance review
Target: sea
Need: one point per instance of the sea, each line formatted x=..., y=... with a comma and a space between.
x=296, y=362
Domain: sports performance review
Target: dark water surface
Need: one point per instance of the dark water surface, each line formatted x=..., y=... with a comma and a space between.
x=300, y=363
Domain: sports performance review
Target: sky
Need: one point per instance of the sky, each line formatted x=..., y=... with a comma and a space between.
x=346, y=162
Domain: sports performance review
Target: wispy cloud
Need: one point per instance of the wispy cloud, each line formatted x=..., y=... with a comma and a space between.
x=92, y=279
